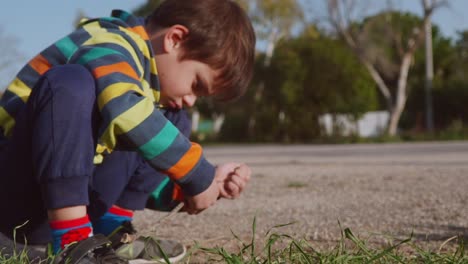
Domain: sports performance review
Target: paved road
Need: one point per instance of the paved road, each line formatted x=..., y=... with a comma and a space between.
x=443, y=153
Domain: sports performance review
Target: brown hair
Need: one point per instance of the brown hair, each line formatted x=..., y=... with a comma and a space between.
x=220, y=35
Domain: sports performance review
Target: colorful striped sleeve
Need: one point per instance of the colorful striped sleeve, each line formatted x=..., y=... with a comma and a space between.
x=130, y=119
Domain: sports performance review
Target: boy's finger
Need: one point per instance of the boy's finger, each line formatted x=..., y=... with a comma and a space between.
x=223, y=193
x=243, y=171
x=233, y=189
x=239, y=181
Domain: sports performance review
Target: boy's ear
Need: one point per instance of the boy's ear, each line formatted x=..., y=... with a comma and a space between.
x=174, y=37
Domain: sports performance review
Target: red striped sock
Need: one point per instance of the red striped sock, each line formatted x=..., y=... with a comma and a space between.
x=69, y=231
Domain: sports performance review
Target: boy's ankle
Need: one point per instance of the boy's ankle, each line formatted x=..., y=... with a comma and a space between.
x=69, y=231
x=111, y=220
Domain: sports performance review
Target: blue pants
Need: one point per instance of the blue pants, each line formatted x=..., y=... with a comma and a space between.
x=48, y=162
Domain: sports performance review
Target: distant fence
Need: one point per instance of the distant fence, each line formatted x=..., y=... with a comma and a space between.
x=372, y=124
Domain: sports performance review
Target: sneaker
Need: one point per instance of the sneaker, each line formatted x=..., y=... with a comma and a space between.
x=95, y=249
x=144, y=249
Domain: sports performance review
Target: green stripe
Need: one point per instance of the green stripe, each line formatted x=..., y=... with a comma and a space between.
x=96, y=53
x=108, y=18
x=160, y=142
x=66, y=46
x=124, y=16
x=156, y=194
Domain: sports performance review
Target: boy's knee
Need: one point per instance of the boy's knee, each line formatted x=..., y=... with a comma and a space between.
x=72, y=79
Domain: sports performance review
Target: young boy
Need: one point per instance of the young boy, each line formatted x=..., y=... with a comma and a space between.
x=83, y=137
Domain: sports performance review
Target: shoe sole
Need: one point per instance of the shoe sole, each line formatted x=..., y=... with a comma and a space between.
x=159, y=261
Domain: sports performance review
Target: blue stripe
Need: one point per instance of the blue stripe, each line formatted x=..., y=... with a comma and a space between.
x=154, y=81
x=28, y=76
x=116, y=107
x=79, y=36
x=143, y=133
x=172, y=155
x=11, y=103
x=160, y=142
x=114, y=78
x=121, y=51
x=54, y=56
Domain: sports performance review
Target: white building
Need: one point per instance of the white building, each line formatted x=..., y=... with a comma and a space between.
x=371, y=124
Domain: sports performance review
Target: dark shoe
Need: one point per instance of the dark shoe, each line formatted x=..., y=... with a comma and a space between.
x=139, y=250
x=96, y=249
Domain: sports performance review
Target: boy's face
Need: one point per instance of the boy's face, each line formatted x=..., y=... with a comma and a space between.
x=182, y=81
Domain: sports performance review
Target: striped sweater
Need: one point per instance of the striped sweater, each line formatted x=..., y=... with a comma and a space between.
x=117, y=51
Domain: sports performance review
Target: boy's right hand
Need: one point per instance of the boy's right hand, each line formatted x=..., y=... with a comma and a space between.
x=196, y=204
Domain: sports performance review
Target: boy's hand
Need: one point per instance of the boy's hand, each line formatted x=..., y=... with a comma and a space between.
x=232, y=179
x=229, y=182
x=198, y=203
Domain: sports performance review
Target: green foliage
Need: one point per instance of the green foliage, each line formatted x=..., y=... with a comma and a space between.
x=306, y=78
x=445, y=61
x=276, y=247
x=460, y=60
x=309, y=77
x=274, y=17
x=450, y=100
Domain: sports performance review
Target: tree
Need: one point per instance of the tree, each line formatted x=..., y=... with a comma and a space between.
x=308, y=76
x=273, y=20
x=450, y=84
x=461, y=47
x=403, y=40
x=429, y=62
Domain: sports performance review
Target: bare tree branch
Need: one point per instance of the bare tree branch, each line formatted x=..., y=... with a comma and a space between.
x=339, y=16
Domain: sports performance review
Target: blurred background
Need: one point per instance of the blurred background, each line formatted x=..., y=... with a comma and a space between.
x=327, y=71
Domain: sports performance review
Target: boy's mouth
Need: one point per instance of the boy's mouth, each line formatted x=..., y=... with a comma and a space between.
x=174, y=105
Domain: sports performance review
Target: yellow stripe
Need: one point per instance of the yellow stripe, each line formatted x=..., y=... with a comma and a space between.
x=115, y=90
x=143, y=47
x=135, y=116
x=107, y=37
x=154, y=69
x=156, y=95
x=147, y=90
x=20, y=89
x=7, y=122
x=127, y=121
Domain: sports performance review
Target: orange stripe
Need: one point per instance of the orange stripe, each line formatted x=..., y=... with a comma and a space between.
x=140, y=30
x=177, y=194
x=121, y=67
x=40, y=64
x=186, y=163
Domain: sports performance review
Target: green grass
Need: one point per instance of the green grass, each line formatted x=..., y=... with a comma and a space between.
x=297, y=185
x=275, y=247
x=18, y=256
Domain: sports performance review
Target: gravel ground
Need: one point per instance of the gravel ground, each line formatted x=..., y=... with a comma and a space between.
x=390, y=189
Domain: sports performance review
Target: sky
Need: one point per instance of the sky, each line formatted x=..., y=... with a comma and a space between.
x=37, y=24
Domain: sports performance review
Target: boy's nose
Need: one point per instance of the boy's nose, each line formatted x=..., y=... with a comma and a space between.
x=189, y=100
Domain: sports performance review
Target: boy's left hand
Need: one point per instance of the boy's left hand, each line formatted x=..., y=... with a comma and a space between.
x=232, y=179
